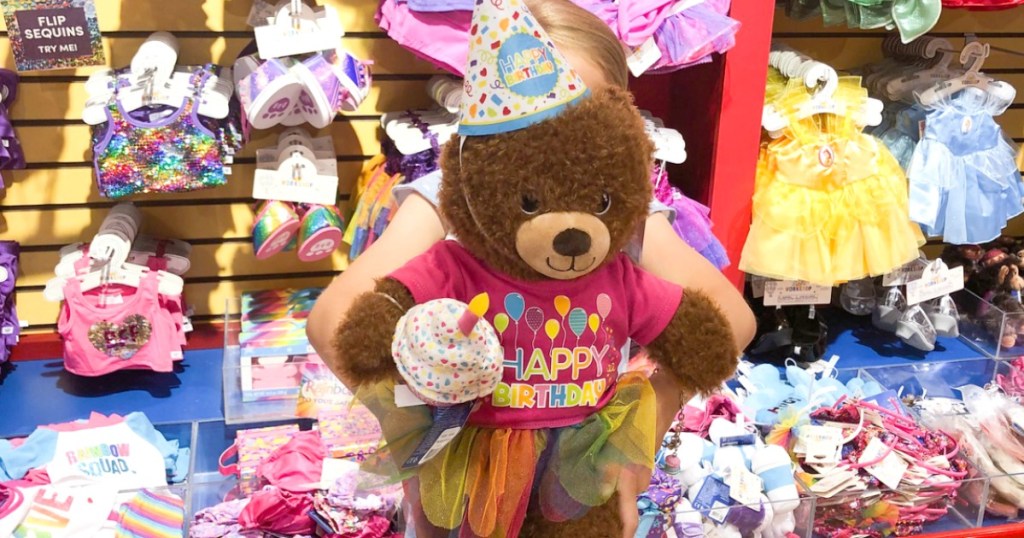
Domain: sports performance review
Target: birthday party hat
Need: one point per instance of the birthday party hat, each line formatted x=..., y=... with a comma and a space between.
x=515, y=76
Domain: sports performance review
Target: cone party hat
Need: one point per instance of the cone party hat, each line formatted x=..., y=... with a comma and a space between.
x=515, y=76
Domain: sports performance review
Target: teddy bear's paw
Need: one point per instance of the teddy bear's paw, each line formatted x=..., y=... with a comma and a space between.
x=363, y=340
x=697, y=346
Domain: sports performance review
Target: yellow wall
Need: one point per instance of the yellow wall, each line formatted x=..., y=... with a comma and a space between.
x=844, y=48
x=55, y=201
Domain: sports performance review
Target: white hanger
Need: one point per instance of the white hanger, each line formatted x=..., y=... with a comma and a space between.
x=176, y=252
x=127, y=274
x=154, y=79
x=409, y=139
x=903, y=88
x=821, y=78
x=972, y=57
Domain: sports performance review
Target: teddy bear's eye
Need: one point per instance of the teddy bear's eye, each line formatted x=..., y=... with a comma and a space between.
x=529, y=204
x=606, y=204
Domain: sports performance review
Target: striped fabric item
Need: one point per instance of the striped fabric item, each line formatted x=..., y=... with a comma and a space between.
x=151, y=514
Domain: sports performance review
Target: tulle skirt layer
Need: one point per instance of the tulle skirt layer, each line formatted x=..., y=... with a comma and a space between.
x=483, y=482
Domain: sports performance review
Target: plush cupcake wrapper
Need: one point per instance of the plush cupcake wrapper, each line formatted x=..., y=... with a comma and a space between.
x=440, y=365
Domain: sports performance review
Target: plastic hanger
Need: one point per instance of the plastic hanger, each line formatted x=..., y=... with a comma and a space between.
x=126, y=274
x=972, y=57
x=154, y=79
x=903, y=88
x=174, y=251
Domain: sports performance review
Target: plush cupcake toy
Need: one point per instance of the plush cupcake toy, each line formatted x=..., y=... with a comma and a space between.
x=446, y=353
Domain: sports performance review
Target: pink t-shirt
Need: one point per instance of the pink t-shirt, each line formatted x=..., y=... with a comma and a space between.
x=562, y=339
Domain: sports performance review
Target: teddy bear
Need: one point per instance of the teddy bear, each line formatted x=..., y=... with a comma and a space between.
x=544, y=185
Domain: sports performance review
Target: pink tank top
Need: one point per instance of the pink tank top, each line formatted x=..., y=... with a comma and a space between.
x=102, y=335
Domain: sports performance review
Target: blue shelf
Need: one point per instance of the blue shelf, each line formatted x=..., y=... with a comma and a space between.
x=42, y=392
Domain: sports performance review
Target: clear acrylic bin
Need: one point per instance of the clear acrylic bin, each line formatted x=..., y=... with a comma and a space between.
x=934, y=379
x=263, y=389
x=995, y=332
x=965, y=511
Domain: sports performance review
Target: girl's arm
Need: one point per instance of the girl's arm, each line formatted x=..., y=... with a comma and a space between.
x=669, y=257
x=415, y=227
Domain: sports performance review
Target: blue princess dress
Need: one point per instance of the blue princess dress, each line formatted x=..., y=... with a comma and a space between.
x=964, y=184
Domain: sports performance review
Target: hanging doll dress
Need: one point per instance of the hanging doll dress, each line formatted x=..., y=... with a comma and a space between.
x=964, y=183
x=830, y=202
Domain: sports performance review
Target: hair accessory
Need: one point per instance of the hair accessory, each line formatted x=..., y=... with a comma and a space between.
x=274, y=228
x=320, y=233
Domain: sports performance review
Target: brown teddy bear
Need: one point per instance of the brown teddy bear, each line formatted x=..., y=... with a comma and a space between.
x=542, y=204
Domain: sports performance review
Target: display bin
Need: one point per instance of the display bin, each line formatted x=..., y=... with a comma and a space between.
x=965, y=511
x=802, y=514
x=935, y=379
x=989, y=329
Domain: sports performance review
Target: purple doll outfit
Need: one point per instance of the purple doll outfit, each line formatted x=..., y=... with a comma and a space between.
x=691, y=222
x=10, y=327
x=437, y=30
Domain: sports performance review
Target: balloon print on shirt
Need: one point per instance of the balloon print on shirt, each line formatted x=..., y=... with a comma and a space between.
x=539, y=375
x=514, y=305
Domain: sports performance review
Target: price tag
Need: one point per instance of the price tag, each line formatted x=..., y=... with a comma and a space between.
x=713, y=499
x=937, y=280
x=745, y=487
x=788, y=292
x=903, y=274
x=890, y=470
x=821, y=444
x=310, y=188
x=448, y=422
x=643, y=57
x=405, y=397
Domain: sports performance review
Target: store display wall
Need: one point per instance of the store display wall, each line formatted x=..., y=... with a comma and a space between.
x=54, y=201
x=845, y=48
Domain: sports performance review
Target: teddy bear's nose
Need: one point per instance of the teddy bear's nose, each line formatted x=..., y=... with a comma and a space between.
x=572, y=242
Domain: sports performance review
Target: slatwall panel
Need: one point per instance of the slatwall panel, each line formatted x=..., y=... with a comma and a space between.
x=848, y=48
x=55, y=201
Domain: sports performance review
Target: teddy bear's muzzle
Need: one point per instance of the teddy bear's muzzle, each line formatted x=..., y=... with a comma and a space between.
x=563, y=245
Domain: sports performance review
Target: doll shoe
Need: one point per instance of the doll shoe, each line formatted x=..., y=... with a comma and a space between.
x=858, y=297
x=320, y=233
x=944, y=316
x=810, y=334
x=274, y=228
x=774, y=336
x=915, y=329
x=354, y=76
x=321, y=90
x=268, y=91
x=888, y=312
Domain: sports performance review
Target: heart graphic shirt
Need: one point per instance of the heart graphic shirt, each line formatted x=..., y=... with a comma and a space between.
x=562, y=338
x=116, y=327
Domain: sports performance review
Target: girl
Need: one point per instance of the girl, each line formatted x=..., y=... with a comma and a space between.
x=599, y=59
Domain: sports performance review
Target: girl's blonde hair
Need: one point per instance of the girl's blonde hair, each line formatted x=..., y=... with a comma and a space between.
x=573, y=27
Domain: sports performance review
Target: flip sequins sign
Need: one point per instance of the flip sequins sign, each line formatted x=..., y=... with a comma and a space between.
x=53, y=34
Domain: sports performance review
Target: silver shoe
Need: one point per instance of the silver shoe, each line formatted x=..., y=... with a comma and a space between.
x=944, y=316
x=887, y=313
x=915, y=329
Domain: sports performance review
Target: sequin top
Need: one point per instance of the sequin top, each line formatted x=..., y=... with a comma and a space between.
x=172, y=154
